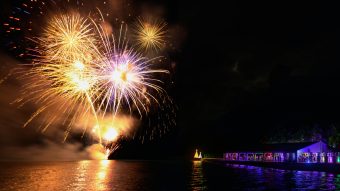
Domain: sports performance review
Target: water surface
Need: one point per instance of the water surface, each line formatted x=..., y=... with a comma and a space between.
x=157, y=175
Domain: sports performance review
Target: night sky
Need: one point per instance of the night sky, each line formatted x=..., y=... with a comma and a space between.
x=244, y=71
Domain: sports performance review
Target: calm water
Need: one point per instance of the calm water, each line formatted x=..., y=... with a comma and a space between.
x=157, y=175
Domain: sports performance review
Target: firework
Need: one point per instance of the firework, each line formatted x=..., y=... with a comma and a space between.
x=63, y=69
x=68, y=37
x=150, y=34
x=102, y=75
x=85, y=74
x=114, y=127
x=125, y=76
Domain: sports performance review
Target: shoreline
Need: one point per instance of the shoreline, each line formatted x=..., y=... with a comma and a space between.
x=322, y=167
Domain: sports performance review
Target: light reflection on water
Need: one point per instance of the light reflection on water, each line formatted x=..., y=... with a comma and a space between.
x=157, y=175
x=258, y=178
x=197, y=181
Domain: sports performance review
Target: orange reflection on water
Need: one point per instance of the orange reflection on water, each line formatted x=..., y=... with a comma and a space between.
x=101, y=175
x=81, y=171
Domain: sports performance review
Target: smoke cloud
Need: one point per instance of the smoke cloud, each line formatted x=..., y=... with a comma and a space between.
x=29, y=143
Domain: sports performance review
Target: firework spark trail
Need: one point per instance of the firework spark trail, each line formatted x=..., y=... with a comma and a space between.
x=10, y=73
x=95, y=115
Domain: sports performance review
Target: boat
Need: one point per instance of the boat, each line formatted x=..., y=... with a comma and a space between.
x=197, y=157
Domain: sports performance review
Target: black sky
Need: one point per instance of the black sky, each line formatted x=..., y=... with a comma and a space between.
x=245, y=69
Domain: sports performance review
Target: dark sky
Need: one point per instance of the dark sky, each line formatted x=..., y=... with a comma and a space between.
x=245, y=69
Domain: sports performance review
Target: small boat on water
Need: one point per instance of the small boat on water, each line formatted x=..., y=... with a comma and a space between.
x=197, y=157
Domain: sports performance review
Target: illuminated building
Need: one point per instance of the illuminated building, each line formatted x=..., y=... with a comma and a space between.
x=311, y=152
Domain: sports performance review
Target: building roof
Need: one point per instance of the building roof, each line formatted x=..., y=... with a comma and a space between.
x=279, y=147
